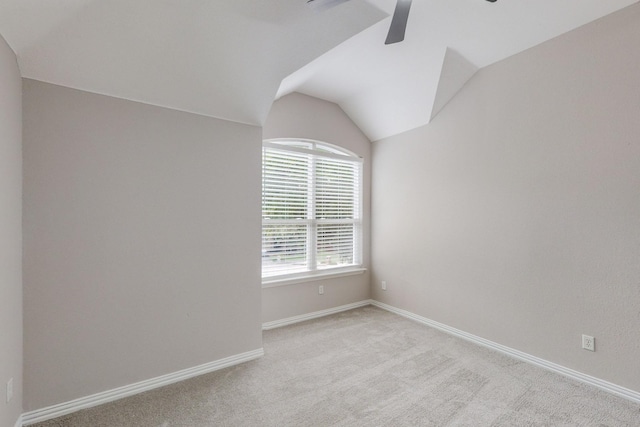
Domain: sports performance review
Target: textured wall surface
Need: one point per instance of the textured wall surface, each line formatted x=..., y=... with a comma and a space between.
x=142, y=237
x=10, y=234
x=515, y=215
x=301, y=116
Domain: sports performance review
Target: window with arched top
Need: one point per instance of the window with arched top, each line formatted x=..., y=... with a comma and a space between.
x=311, y=208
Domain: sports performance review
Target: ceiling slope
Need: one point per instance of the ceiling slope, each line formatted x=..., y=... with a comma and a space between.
x=390, y=89
x=456, y=71
x=227, y=58
x=223, y=59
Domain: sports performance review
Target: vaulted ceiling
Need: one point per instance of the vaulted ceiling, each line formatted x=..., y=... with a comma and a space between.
x=231, y=58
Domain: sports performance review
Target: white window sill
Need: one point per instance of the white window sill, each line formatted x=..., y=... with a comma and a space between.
x=273, y=282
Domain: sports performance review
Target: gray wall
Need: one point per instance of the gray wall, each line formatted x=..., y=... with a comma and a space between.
x=301, y=116
x=10, y=234
x=515, y=215
x=141, y=238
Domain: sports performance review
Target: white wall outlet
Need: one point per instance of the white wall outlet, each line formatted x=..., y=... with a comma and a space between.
x=384, y=285
x=321, y=290
x=9, y=390
x=588, y=343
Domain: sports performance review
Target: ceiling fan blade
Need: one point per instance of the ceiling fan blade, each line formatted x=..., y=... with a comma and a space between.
x=398, y=22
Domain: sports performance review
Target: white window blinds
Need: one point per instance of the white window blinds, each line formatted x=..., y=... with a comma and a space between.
x=311, y=208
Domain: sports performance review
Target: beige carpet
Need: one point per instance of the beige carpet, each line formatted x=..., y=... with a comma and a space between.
x=367, y=367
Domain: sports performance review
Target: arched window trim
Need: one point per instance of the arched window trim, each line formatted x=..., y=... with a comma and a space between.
x=289, y=145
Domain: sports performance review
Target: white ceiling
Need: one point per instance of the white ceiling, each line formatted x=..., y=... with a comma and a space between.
x=221, y=58
x=390, y=89
x=227, y=58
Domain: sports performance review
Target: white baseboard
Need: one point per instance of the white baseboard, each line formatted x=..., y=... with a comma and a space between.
x=118, y=393
x=578, y=376
x=59, y=410
x=296, y=319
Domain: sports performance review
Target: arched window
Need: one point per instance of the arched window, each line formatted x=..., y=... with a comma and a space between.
x=311, y=208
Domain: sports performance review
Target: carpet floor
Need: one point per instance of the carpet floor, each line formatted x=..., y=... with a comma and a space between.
x=367, y=367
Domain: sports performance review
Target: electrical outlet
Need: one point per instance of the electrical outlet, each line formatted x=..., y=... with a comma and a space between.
x=384, y=285
x=9, y=390
x=321, y=290
x=588, y=343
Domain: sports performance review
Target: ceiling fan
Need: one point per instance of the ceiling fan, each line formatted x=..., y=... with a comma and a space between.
x=398, y=22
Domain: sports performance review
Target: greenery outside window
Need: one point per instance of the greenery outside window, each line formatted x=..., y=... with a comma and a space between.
x=311, y=208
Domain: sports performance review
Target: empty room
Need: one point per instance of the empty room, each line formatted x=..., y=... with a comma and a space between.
x=319, y=213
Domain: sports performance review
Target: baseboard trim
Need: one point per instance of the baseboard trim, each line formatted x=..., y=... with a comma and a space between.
x=545, y=364
x=61, y=409
x=296, y=319
x=18, y=422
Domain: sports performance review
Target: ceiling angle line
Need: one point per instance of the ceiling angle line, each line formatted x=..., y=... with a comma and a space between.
x=320, y=5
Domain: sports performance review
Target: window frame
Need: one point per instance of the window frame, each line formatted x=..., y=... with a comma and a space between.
x=317, y=149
